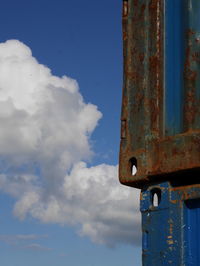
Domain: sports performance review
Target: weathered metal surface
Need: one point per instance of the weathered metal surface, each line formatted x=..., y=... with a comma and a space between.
x=171, y=228
x=160, y=120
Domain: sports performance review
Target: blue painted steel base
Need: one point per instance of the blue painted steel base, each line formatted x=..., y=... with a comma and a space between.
x=171, y=230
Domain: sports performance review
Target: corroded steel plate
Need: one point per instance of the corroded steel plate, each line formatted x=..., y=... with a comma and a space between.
x=160, y=120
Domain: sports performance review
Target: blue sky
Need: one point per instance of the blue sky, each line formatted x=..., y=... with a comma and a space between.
x=60, y=201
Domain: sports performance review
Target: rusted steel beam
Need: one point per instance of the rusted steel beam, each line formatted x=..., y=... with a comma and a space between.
x=160, y=120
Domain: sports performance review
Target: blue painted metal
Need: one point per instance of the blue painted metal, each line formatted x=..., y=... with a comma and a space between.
x=174, y=65
x=182, y=57
x=192, y=232
x=171, y=230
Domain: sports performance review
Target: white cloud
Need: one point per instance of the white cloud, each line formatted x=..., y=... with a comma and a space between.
x=19, y=240
x=44, y=139
x=37, y=247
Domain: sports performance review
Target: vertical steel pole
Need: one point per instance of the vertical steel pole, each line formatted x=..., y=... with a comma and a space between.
x=160, y=125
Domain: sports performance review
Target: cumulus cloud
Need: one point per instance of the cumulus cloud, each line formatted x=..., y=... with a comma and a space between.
x=44, y=144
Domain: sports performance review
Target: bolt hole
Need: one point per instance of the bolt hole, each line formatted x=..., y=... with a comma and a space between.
x=133, y=166
x=155, y=197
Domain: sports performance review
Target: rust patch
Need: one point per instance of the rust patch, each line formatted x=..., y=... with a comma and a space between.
x=191, y=73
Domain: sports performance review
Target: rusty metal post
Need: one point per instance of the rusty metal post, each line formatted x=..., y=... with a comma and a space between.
x=160, y=125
